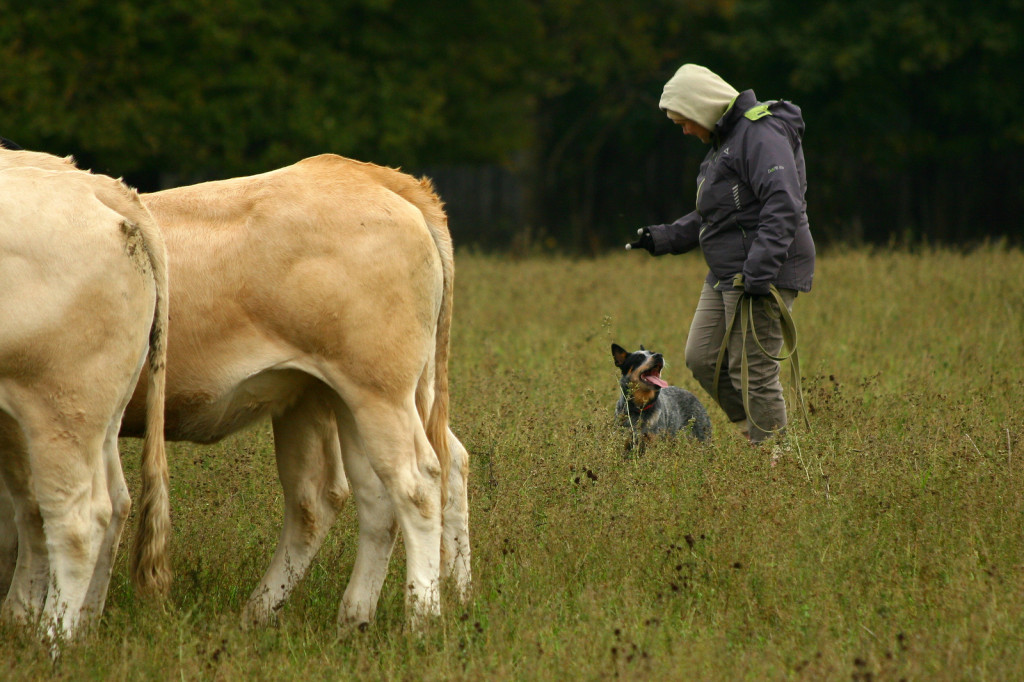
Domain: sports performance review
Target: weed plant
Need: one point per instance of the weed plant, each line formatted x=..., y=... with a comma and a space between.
x=887, y=542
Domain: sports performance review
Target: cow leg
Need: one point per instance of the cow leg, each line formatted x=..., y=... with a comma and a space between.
x=62, y=510
x=29, y=574
x=76, y=510
x=310, y=468
x=62, y=505
x=396, y=448
x=30, y=591
x=120, y=504
x=8, y=536
x=378, y=529
x=455, y=554
x=27, y=592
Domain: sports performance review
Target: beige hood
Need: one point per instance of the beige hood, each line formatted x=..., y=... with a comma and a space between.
x=699, y=94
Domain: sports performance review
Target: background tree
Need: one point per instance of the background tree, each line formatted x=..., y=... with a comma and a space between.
x=536, y=118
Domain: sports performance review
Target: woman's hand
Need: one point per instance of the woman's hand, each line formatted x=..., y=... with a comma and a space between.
x=644, y=241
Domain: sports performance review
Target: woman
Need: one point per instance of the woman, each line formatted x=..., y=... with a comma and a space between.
x=751, y=224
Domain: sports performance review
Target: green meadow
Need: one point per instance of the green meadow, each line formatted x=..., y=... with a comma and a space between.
x=887, y=543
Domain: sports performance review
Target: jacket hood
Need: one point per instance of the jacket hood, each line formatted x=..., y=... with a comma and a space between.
x=697, y=93
x=791, y=114
x=782, y=110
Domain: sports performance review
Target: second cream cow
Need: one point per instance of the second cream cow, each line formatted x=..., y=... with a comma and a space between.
x=320, y=295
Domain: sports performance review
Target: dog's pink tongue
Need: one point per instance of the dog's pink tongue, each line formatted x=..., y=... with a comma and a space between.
x=655, y=380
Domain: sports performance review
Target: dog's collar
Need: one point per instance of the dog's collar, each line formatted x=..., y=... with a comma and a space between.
x=640, y=410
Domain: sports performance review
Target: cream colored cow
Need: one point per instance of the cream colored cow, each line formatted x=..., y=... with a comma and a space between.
x=83, y=302
x=320, y=295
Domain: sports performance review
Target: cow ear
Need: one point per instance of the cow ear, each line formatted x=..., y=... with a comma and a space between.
x=620, y=354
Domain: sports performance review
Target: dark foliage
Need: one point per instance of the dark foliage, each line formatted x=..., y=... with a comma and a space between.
x=539, y=118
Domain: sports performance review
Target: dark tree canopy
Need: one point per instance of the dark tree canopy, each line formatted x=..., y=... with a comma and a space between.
x=915, y=118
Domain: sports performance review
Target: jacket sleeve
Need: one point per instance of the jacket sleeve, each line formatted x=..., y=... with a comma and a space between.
x=679, y=237
x=772, y=174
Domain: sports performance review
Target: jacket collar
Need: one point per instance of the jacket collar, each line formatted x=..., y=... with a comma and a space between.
x=733, y=114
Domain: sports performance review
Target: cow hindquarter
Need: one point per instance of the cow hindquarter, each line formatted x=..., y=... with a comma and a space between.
x=77, y=306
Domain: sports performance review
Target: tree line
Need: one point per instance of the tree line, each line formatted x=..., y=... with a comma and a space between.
x=538, y=119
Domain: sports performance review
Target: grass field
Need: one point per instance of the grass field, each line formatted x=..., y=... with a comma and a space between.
x=888, y=543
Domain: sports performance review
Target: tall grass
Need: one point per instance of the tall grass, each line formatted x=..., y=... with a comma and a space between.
x=887, y=543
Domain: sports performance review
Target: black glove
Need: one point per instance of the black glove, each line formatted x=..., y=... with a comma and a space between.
x=644, y=241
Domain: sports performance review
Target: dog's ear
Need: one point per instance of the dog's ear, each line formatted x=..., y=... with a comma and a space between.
x=620, y=354
x=642, y=347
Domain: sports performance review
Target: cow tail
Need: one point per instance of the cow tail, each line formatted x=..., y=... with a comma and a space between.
x=437, y=418
x=434, y=412
x=151, y=566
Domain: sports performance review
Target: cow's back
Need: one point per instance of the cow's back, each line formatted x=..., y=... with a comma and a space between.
x=274, y=273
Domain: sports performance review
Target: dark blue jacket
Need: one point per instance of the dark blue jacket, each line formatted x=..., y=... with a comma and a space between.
x=751, y=215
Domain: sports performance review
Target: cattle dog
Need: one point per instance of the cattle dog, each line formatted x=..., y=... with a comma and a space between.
x=649, y=406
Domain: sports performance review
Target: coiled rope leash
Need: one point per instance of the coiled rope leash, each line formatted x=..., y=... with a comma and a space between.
x=745, y=312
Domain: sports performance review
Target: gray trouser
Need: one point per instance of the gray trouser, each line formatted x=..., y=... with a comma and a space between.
x=714, y=310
